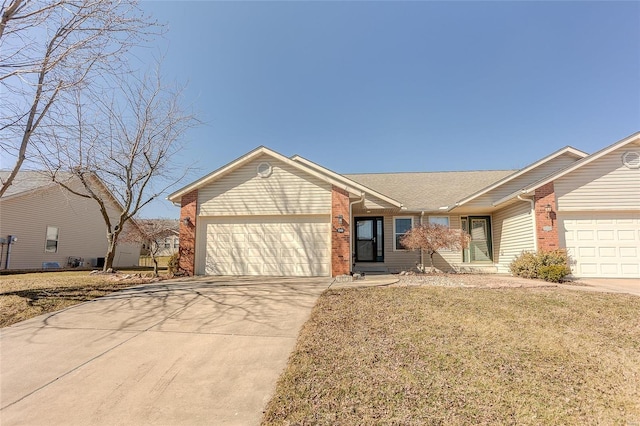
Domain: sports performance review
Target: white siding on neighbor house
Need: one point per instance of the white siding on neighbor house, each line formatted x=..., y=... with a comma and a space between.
x=264, y=245
x=604, y=184
x=522, y=181
x=82, y=232
x=513, y=233
x=286, y=191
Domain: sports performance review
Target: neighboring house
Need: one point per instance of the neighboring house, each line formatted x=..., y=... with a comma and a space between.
x=55, y=228
x=167, y=244
x=267, y=214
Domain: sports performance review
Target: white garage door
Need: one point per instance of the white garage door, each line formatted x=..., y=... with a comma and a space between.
x=278, y=246
x=602, y=244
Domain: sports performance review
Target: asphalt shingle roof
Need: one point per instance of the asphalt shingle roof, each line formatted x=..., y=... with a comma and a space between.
x=429, y=191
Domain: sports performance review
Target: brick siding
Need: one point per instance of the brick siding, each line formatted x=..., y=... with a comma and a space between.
x=187, y=250
x=340, y=260
x=546, y=227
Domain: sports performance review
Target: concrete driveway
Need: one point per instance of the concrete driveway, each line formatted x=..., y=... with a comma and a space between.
x=611, y=285
x=201, y=351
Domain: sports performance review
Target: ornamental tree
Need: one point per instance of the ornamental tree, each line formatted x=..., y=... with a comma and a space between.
x=431, y=237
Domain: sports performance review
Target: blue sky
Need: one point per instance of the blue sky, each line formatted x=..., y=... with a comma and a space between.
x=401, y=86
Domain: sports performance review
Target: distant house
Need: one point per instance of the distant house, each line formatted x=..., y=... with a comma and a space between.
x=168, y=242
x=55, y=228
x=268, y=214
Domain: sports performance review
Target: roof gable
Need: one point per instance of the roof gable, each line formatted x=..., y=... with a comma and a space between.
x=314, y=170
x=578, y=164
x=566, y=151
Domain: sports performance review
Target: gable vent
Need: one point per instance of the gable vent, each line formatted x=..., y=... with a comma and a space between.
x=631, y=159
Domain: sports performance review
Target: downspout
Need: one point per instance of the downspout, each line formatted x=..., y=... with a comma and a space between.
x=533, y=212
x=351, y=230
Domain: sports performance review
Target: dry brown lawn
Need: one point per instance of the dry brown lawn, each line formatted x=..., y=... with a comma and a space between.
x=455, y=356
x=24, y=296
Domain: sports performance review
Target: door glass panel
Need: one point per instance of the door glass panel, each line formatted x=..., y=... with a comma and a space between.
x=480, y=246
x=365, y=251
x=379, y=240
x=365, y=229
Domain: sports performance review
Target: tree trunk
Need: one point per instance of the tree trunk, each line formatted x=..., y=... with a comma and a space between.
x=155, y=265
x=111, y=252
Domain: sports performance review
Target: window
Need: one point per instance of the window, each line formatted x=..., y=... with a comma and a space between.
x=400, y=226
x=176, y=243
x=439, y=220
x=167, y=243
x=51, y=246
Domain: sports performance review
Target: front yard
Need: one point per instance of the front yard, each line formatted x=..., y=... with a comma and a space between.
x=433, y=355
x=24, y=296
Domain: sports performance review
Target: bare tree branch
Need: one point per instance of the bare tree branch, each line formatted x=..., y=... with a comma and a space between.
x=129, y=143
x=47, y=50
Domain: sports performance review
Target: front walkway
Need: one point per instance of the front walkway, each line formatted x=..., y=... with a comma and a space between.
x=198, y=351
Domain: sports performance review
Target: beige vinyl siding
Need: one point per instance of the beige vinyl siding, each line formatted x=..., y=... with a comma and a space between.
x=405, y=260
x=513, y=233
x=604, y=184
x=523, y=181
x=398, y=260
x=446, y=260
x=81, y=230
x=286, y=191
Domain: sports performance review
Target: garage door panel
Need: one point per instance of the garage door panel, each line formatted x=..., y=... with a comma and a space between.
x=297, y=246
x=602, y=244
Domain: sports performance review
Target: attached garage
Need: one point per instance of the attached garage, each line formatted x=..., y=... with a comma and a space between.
x=274, y=246
x=602, y=244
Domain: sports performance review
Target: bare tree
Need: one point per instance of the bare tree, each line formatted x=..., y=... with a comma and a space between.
x=123, y=146
x=48, y=48
x=432, y=237
x=152, y=233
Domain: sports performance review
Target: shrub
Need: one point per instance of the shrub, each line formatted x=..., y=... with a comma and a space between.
x=173, y=264
x=553, y=273
x=547, y=265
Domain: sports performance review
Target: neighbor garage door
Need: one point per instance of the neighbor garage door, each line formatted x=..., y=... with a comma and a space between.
x=602, y=244
x=280, y=246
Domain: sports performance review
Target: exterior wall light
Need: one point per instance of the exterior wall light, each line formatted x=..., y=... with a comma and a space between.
x=547, y=209
x=186, y=221
x=340, y=218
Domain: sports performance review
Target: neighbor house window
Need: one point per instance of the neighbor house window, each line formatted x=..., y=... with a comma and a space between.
x=400, y=226
x=51, y=246
x=176, y=243
x=167, y=243
x=439, y=220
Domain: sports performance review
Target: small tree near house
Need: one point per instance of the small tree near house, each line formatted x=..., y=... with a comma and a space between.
x=151, y=233
x=432, y=237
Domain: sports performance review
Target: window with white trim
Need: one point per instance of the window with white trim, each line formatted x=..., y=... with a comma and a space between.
x=167, y=243
x=400, y=226
x=51, y=244
x=439, y=220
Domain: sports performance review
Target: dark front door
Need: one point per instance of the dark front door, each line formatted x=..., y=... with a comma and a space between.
x=369, y=239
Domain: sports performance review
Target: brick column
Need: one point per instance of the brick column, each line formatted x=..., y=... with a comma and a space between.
x=340, y=259
x=187, y=250
x=546, y=227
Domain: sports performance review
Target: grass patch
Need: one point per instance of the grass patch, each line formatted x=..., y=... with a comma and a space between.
x=431, y=355
x=25, y=296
